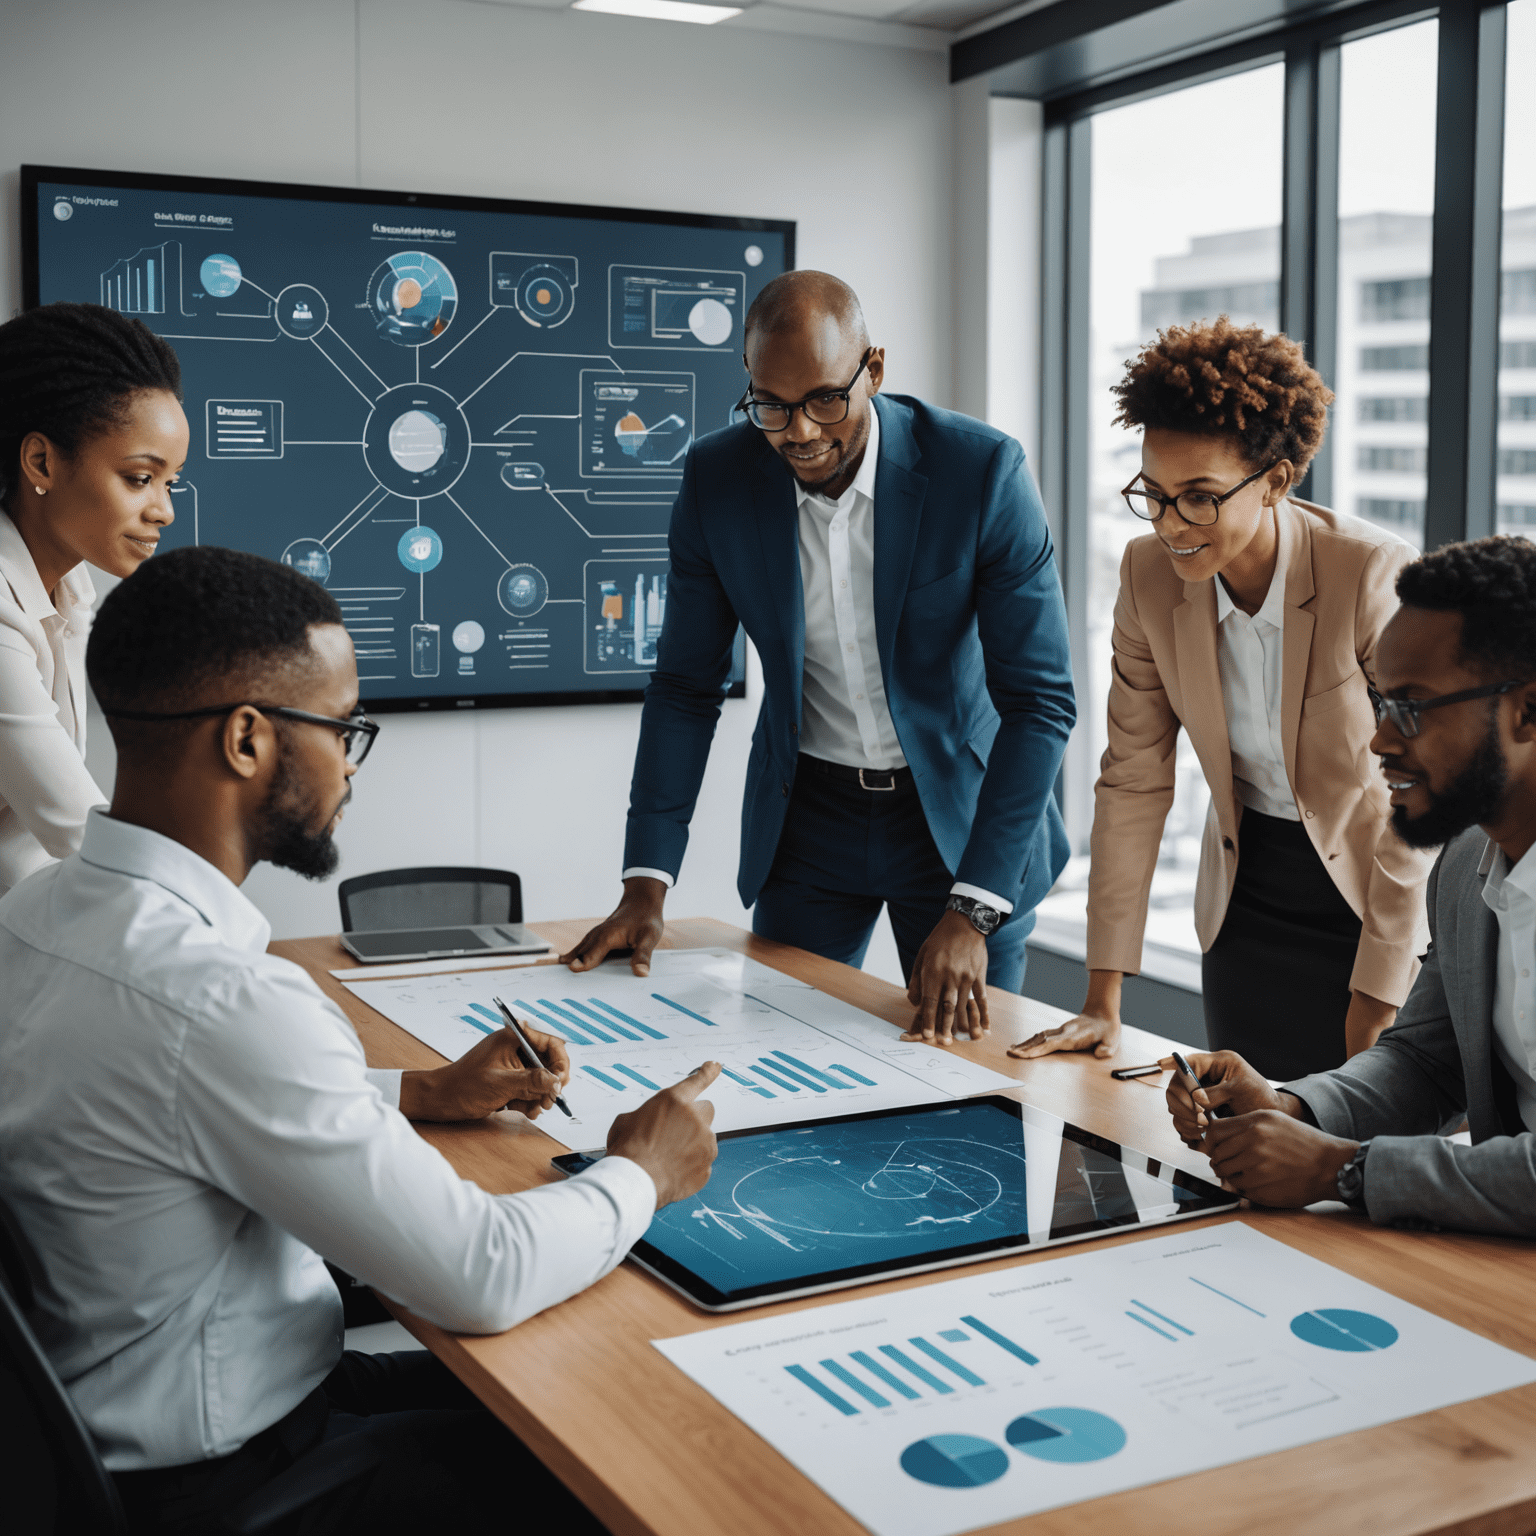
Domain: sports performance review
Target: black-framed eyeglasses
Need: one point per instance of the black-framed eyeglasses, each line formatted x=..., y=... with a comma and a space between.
x=826, y=409
x=1404, y=713
x=1198, y=508
x=358, y=730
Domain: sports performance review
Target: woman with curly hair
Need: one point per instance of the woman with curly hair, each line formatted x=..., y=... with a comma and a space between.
x=1250, y=619
x=92, y=436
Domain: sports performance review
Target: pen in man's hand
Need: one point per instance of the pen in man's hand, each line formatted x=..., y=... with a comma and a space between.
x=529, y=1055
x=1187, y=1072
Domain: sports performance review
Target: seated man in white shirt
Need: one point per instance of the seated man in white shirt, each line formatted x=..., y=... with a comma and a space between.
x=188, y=1124
x=1456, y=667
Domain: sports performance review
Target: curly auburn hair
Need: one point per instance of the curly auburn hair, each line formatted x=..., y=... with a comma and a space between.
x=1225, y=380
x=1491, y=583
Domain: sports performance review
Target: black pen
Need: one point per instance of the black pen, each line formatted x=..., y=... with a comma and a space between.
x=529, y=1055
x=1216, y=1112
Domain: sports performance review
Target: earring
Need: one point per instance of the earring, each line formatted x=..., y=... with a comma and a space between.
x=41, y=490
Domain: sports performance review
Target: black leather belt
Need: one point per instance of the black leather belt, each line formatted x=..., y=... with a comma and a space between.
x=880, y=780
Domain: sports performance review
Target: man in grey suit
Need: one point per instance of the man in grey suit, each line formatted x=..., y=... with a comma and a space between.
x=1456, y=736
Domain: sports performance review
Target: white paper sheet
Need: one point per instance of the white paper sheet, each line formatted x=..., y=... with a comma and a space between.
x=968, y=1402
x=791, y=1053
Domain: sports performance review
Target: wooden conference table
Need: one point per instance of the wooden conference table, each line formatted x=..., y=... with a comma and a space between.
x=650, y=1452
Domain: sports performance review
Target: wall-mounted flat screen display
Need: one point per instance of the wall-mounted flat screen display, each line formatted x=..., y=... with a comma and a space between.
x=466, y=417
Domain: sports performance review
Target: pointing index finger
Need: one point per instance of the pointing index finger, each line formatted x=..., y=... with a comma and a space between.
x=696, y=1082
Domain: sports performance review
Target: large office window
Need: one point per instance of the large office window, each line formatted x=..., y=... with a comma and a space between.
x=1516, y=467
x=1380, y=426
x=1186, y=203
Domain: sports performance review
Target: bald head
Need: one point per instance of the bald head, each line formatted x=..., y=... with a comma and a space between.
x=806, y=304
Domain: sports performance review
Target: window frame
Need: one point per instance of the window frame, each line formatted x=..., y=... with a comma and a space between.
x=1464, y=292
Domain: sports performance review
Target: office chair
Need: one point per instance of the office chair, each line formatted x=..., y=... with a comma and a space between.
x=432, y=897
x=54, y=1480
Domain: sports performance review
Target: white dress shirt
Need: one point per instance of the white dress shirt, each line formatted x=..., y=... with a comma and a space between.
x=1249, y=652
x=188, y=1124
x=845, y=717
x=1511, y=893
x=45, y=788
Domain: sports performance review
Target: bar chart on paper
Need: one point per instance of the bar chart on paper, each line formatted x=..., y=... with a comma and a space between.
x=788, y=1052
x=964, y=1403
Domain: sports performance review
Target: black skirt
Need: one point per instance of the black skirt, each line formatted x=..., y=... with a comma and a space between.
x=1275, y=984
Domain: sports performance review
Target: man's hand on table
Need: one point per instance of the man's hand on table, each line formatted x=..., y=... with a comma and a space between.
x=635, y=924
x=488, y=1077
x=670, y=1137
x=949, y=984
x=1267, y=1151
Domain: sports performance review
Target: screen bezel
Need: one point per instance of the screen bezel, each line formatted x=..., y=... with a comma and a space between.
x=33, y=176
x=709, y=1298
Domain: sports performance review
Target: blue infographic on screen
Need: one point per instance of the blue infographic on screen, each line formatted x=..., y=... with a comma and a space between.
x=469, y=423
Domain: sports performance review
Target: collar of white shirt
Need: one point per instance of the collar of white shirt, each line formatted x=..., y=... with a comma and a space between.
x=863, y=482
x=20, y=570
x=1502, y=883
x=144, y=855
x=1273, y=610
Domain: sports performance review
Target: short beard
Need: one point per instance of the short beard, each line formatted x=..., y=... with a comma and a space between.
x=1475, y=796
x=282, y=836
x=838, y=470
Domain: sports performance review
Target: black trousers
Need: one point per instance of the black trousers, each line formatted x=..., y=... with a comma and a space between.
x=445, y=1463
x=1275, y=984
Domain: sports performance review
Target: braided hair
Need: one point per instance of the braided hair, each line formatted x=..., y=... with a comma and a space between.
x=68, y=371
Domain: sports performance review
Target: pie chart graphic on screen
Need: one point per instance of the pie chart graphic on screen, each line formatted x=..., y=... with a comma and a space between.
x=545, y=295
x=954, y=1461
x=1354, y=1333
x=413, y=298
x=1066, y=1434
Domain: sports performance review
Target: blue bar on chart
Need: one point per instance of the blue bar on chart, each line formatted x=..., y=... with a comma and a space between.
x=1233, y=1299
x=562, y=1026
x=776, y=1080
x=630, y=1072
x=807, y=1070
x=1136, y=1317
x=954, y=1335
x=821, y=1389
x=858, y=1077
x=623, y=1018
x=680, y=1009
x=1001, y=1340
x=934, y=1353
x=480, y=1024
x=793, y=1075
x=848, y=1379
x=566, y=1005
x=1190, y=1332
x=603, y=1077
x=746, y=1082
x=874, y=1368
x=567, y=1018
x=907, y=1363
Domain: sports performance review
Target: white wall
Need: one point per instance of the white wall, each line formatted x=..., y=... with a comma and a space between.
x=852, y=141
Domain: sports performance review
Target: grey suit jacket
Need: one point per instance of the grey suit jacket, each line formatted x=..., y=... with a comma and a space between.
x=1436, y=1063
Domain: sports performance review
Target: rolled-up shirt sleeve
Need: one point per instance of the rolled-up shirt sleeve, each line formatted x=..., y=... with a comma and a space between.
x=43, y=777
x=276, y=1106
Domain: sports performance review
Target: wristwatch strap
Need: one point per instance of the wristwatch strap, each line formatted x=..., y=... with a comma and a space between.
x=1351, y=1180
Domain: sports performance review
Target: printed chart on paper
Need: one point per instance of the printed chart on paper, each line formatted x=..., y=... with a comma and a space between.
x=968, y=1402
x=789, y=1052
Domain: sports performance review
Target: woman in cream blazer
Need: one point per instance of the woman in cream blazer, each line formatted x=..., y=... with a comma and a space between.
x=1251, y=622
x=92, y=436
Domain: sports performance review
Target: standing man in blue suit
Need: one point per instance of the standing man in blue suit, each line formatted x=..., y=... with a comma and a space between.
x=892, y=564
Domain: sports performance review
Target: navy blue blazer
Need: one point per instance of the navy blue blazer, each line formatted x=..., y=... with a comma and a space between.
x=971, y=632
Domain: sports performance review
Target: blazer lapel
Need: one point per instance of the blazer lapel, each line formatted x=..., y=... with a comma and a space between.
x=899, y=493
x=1296, y=648
x=1205, y=715
x=776, y=514
x=1477, y=959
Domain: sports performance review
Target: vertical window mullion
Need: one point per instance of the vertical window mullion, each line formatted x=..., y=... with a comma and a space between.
x=1464, y=281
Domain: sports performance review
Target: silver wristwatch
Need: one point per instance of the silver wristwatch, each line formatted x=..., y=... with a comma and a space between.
x=982, y=918
x=1351, y=1180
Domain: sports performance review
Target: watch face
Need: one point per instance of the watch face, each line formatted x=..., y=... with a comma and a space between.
x=983, y=919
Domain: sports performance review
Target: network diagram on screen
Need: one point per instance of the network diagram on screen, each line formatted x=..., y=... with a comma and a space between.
x=468, y=423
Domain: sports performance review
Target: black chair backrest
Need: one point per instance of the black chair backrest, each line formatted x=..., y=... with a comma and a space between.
x=431, y=897
x=53, y=1478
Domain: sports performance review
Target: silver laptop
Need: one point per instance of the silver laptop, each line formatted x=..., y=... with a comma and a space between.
x=379, y=944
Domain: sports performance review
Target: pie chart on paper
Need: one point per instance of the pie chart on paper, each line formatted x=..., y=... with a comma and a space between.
x=954, y=1461
x=1066, y=1434
x=1337, y=1328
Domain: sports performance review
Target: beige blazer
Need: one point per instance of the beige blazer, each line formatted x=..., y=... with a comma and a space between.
x=1339, y=595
